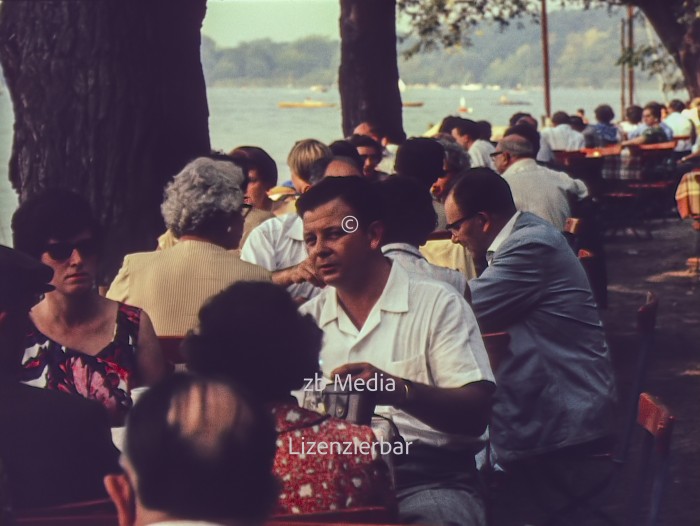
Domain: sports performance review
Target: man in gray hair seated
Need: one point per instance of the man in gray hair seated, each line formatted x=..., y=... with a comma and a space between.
x=202, y=208
x=536, y=189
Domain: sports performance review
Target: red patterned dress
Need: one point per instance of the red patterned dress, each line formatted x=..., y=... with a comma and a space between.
x=106, y=377
x=313, y=481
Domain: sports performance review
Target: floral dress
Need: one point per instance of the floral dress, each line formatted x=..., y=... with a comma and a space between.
x=314, y=481
x=106, y=377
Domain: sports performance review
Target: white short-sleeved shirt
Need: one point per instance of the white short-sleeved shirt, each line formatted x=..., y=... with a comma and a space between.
x=419, y=329
x=411, y=259
x=480, y=154
x=277, y=244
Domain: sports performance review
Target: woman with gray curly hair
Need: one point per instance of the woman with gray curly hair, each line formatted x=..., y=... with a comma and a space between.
x=202, y=208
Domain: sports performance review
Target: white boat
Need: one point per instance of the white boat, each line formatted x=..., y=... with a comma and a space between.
x=472, y=87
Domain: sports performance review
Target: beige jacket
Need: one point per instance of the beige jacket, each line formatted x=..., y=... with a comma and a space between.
x=171, y=285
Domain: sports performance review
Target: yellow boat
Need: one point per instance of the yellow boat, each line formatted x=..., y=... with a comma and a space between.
x=308, y=103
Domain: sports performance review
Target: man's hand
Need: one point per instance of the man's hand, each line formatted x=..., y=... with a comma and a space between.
x=367, y=371
x=302, y=273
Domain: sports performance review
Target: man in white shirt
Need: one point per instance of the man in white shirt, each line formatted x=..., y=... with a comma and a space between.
x=467, y=133
x=417, y=337
x=681, y=125
x=560, y=137
x=196, y=452
x=544, y=192
x=409, y=218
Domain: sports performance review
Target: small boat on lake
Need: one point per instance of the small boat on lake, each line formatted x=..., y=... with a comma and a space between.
x=308, y=103
x=412, y=104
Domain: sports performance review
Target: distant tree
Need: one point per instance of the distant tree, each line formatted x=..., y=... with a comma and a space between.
x=369, y=75
x=109, y=99
x=449, y=22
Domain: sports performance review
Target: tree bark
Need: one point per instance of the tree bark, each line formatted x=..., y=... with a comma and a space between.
x=681, y=41
x=369, y=75
x=109, y=100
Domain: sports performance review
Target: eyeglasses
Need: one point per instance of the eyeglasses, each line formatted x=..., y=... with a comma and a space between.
x=62, y=251
x=455, y=226
x=493, y=155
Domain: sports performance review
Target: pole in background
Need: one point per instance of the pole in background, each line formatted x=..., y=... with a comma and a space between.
x=623, y=78
x=630, y=46
x=545, y=61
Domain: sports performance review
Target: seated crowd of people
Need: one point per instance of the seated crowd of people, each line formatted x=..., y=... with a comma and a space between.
x=338, y=285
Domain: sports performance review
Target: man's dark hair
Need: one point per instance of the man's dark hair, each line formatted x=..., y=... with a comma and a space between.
x=235, y=340
x=468, y=127
x=604, y=113
x=517, y=116
x=195, y=464
x=318, y=168
x=343, y=148
x=560, y=117
x=676, y=105
x=527, y=132
x=253, y=157
x=576, y=122
x=654, y=108
x=422, y=159
x=54, y=213
x=634, y=113
x=485, y=130
x=408, y=212
x=448, y=123
x=483, y=190
x=356, y=192
x=365, y=141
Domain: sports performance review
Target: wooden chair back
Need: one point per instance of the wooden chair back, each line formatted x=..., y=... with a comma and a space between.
x=364, y=515
x=88, y=513
x=646, y=325
x=656, y=422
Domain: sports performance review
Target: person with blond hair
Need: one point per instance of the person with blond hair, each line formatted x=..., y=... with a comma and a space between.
x=278, y=243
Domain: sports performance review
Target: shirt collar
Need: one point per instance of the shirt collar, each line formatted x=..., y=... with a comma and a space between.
x=394, y=297
x=296, y=230
x=521, y=165
x=402, y=247
x=503, y=234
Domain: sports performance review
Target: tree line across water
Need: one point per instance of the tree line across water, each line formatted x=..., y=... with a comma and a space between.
x=582, y=54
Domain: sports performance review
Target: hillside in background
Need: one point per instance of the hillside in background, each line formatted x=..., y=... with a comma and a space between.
x=584, y=47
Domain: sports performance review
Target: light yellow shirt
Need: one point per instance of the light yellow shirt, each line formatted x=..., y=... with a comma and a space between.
x=171, y=285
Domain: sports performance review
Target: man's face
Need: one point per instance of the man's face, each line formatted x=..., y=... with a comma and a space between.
x=649, y=118
x=500, y=159
x=462, y=140
x=468, y=231
x=370, y=159
x=338, y=257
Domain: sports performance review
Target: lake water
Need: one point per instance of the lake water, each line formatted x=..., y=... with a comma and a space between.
x=240, y=116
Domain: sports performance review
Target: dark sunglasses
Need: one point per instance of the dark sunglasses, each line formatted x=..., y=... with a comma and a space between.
x=62, y=251
x=493, y=155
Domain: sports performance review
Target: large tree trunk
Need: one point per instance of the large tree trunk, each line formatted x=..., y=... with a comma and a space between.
x=682, y=41
x=369, y=74
x=109, y=100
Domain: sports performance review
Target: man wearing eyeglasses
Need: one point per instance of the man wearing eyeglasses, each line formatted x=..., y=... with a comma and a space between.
x=54, y=447
x=555, y=392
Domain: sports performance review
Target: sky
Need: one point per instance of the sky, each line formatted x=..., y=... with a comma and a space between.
x=230, y=22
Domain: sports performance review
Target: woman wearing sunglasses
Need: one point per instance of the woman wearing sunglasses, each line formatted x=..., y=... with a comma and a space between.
x=80, y=342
